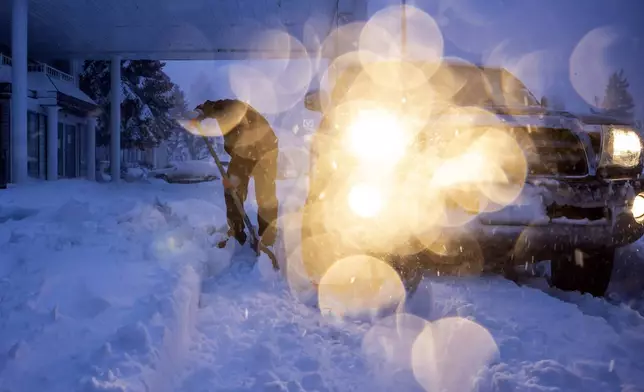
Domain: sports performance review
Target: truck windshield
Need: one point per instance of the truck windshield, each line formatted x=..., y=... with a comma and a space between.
x=457, y=84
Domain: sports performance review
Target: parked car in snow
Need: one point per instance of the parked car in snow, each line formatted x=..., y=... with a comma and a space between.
x=188, y=172
x=472, y=173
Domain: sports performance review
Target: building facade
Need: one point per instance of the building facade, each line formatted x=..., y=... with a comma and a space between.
x=55, y=101
x=50, y=30
x=59, y=120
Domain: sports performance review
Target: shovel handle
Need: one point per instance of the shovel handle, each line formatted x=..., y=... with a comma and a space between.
x=233, y=193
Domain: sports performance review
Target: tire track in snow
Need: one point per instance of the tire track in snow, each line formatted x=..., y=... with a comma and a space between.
x=626, y=322
x=253, y=335
x=546, y=342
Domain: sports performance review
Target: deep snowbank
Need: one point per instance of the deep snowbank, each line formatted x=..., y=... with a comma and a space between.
x=99, y=285
x=109, y=288
x=455, y=334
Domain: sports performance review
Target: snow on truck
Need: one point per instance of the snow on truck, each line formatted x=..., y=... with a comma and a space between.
x=458, y=167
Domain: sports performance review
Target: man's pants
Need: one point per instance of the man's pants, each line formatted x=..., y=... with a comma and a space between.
x=264, y=172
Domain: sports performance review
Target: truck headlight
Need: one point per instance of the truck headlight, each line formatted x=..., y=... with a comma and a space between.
x=365, y=200
x=622, y=147
x=377, y=135
x=638, y=207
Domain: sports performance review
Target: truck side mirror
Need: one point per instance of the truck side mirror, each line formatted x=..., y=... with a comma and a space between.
x=544, y=102
x=313, y=101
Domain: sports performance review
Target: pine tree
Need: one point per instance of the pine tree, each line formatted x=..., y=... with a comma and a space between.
x=618, y=102
x=146, y=101
x=183, y=144
x=556, y=103
x=196, y=147
x=177, y=141
x=201, y=89
x=639, y=125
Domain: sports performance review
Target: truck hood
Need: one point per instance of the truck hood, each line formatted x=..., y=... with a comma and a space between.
x=527, y=111
x=599, y=119
x=586, y=118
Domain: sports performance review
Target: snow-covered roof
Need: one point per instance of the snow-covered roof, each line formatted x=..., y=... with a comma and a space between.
x=41, y=82
x=171, y=29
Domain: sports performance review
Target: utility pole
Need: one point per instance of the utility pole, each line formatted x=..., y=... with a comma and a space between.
x=403, y=29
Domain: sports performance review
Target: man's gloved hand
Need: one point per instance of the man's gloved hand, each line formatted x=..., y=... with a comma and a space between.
x=208, y=109
x=202, y=111
x=196, y=115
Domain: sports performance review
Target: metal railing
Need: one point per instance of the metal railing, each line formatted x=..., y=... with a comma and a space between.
x=50, y=71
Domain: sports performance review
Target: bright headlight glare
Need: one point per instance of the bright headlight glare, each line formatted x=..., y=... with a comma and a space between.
x=365, y=200
x=626, y=147
x=638, y=207
x=377, y=135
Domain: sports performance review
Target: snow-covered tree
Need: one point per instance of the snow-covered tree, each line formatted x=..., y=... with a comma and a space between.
x=554, y=102
x=201, y=89
x=177, y=140
x=182, y=144
x=179, y=103
x=639, y=125
x=145, y=106
x=618, y=101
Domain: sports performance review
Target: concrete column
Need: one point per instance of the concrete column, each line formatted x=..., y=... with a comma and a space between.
x=115, y=118
x=52, y=142
x=19, y=89
x=74, y=66
x=91, y=148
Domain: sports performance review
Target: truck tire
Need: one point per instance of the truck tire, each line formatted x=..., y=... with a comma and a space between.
x=410, y=270
x=583, y=271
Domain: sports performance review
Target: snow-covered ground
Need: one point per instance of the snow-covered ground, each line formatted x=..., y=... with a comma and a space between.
x=118, y=288
x=97, y=284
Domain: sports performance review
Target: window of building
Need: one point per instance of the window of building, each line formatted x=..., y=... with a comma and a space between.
x=61, y=155
x=42, y=128
x=36, y=142
x=5, y=157
x=69, y=165
x=81, y=131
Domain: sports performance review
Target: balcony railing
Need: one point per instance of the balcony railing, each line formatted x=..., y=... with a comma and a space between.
x=5, y=60
x=50, y=71
x=40, y=67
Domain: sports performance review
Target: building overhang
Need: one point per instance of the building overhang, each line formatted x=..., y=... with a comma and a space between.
x=178, y=30
x=74, y=105
x=69, y=103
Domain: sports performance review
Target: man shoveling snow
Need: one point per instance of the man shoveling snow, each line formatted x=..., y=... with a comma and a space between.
x=253, y=147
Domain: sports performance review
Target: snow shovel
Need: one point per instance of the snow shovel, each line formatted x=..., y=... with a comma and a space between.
x=256, y=244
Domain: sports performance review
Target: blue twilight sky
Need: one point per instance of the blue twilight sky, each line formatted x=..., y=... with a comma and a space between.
x=563, y=48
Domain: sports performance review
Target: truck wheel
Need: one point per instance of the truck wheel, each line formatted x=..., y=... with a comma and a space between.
x=409, y=271
x=583, y=271
x=411, y=278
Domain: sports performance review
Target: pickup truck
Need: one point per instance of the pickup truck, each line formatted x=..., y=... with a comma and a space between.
x=458, y=167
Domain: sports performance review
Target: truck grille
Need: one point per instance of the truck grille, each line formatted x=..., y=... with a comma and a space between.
x=551, y=151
